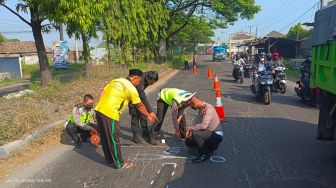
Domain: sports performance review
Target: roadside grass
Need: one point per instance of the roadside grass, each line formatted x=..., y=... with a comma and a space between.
x=32, y=72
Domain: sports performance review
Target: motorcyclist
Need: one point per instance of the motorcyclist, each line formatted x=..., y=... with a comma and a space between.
x=237, y=64
x=305, y=74
x=260, y=66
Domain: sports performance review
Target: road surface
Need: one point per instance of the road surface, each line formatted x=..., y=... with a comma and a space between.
x=263, y=147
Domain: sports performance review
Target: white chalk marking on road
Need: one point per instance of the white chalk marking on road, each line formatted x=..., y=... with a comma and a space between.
x=152, y=182
x=173, y=173
x=158, y=172
x=175, y=164
x=151, y=157
x=172, y=151
x=217, y=159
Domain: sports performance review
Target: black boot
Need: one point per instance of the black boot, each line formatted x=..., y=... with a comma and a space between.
x=78, y=143
x=153, y=137
x=136, y=139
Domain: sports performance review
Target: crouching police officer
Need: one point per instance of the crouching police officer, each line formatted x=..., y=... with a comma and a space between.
x=206, y=135
x=82, y=121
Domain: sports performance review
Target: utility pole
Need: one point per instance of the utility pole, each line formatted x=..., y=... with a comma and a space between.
x=76, y=49
x=321, y=4
x=250, y=27
x=256, y=34
x=61, y=33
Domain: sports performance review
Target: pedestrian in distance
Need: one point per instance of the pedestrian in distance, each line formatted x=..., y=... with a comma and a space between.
x=186, y=65
x=113, y=100
x=148, y=78
x=82, y=121
x=206, y=135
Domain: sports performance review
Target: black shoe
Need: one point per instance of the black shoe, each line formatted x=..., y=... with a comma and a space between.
x=153, y=137
x=200, y=158
x=78, y=144
x=136, y=139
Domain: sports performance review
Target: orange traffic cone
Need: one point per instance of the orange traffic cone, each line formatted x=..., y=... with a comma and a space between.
x=209, y=72
x=216, y=83
x=194, y=69
x=219, y=106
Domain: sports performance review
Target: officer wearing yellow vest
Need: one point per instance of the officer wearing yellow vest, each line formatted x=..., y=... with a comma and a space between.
x=113, y=100
x=81, y=121
x=178, y=100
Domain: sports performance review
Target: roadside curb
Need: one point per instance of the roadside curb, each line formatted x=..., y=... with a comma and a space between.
x=16, y=145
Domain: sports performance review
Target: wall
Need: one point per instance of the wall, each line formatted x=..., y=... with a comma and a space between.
x=30, y=60
x=11, y=65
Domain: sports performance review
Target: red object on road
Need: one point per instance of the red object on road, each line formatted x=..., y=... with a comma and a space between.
x=216, y=83
x=95, y=139
x=219, y=106
x=194, y=69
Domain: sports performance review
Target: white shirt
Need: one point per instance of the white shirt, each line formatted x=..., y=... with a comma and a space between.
x=261, y=67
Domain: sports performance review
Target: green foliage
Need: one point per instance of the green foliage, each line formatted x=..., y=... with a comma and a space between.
x=197, y=31
x=132, y=27
x=298, y=31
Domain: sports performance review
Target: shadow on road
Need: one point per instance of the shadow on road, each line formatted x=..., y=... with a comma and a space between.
x=265, y=152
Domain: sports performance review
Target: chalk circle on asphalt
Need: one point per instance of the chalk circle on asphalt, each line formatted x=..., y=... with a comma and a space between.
x=172, y=151
x=217, y=159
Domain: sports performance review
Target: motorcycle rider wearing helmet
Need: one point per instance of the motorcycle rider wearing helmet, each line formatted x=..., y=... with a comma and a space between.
x=259, y=66
x=238, y=63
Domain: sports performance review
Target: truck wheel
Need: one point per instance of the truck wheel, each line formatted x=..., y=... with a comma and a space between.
x=326, y=123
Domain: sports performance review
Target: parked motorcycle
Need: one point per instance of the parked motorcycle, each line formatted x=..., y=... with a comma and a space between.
x=238, y=73
x=247, y=70
x=265, y=83
x=280, y=80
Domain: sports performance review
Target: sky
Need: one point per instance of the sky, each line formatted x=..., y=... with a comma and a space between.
x=278, y=15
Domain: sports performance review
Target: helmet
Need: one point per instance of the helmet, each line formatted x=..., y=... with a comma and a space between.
x=269, y=55
x=262, y=54
x=276, y=54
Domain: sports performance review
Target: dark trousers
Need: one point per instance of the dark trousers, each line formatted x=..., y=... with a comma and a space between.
x=162, y=108
x=186, y=65
x=136, y=118
x=74, y=131
x=110, y=140
x=205, y=141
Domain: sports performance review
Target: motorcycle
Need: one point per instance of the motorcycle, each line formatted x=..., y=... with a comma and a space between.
x=312, y=97
x=247, y=70
x=238, y=73
x=280, y=79
x=265, y=83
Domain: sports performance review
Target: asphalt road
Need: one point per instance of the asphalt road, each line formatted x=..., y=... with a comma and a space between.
x=263, y=147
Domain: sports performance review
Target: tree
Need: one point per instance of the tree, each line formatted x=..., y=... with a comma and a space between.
x=132, y=27
x=219, y=13
x=197, y=31
x=38, y=10
x=297, y=32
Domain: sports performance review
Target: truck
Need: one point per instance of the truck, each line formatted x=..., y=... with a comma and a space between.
x=323, y=70
x=219, y=53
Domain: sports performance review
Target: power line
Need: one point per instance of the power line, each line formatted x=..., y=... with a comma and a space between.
x=282, y=17
x=299, y=17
